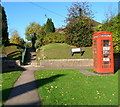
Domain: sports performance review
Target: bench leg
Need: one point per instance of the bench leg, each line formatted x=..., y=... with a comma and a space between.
x=72, y=54
x=82, y=53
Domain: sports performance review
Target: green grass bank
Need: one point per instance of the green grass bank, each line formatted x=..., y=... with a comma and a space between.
x=62, y=51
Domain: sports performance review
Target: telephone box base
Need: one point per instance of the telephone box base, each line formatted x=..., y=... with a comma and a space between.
x=104, y=73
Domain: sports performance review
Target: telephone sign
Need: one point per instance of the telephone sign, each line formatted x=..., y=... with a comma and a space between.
x=106, y=48
x=102, y=47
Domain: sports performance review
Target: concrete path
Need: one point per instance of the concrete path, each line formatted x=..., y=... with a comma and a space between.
x=87, y=73
x=24, y=92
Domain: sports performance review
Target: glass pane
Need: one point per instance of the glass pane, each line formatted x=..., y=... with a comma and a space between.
x=106, y=62
x=106, y=55
x=106, y=52
x=106, y=43
x=106, y=66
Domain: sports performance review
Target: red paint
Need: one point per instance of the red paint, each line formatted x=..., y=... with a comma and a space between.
x=102, y=49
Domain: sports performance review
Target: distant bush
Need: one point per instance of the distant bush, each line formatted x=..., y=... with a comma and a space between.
x=28, y=44
x=16, y=39
x=50, y=38
x=54, y=38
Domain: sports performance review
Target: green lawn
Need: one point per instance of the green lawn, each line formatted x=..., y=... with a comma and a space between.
x=62, y=51
x=8, y=80
x=70, y=87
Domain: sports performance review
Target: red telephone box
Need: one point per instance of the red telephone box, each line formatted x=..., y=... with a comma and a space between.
x=103, y=52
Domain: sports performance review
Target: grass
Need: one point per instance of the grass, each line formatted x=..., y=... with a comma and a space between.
x=62, y=51
x=8, y=80
x=12, y=52
x=70, y=87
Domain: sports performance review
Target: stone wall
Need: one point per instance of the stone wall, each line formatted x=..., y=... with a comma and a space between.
x=67, y=63
x=10, y=64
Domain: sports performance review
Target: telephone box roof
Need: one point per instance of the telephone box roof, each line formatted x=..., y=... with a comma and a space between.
x=102, y=33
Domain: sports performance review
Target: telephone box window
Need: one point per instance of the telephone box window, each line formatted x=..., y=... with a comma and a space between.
x=106, y=66
x=106, y=52
x=106, y=62
x=106, y=42
x=106, y=55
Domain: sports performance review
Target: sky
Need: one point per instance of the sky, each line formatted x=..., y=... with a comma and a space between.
x=21, y=14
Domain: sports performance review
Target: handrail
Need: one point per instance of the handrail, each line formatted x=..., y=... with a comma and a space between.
x=23, y=56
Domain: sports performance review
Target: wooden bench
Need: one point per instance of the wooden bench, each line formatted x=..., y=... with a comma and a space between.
x=76, y=50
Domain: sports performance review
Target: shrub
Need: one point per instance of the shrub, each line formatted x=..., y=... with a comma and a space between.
x=54, y=38
x=112, y=26
x=50, y=38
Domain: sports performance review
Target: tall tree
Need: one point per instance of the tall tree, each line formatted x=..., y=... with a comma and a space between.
x=4, y=35
x=32, y=32
x=112, y=25
x=49, y=27
x=0, y=25
x=16, y=39
x=40, y=37
x=79, y=25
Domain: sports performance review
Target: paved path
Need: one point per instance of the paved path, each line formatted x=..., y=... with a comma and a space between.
x=24, y=91
x=87, y=73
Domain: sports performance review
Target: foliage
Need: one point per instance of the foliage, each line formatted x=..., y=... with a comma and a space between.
x=40, y=37
x=2, y=49
x=79, y=25
x=70, y=87
x=16, y=39
x=3, y=23
x=54, y=38
x=112, y=26
x=49, y=27
x=28, y=44
x=45, y=38
x=32, y=31
x=61, y=51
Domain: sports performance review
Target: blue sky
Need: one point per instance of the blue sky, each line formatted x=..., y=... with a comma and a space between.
x=20, y=14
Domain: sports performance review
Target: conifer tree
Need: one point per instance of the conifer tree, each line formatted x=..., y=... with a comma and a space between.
x=49, y=27
x=3, y=23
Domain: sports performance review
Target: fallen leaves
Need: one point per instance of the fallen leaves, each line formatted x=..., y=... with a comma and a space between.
x=72, y=98
x=98, y=92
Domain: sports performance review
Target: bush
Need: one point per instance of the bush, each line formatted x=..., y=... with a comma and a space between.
x=112, y=26
x=28, y=44
x=50, y=38
x=54, y=38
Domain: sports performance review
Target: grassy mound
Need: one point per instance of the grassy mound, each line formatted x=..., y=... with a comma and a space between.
x=12, y=52
x=62, y=51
